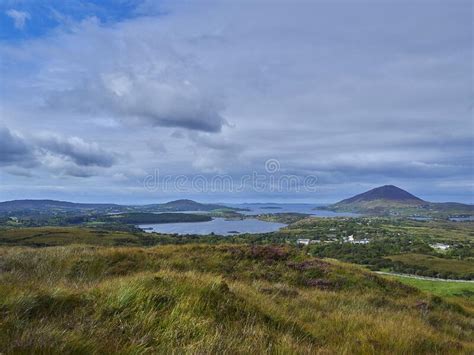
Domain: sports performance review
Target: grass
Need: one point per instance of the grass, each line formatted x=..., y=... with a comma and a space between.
x=435, y=263
x=214, y=299
x=56, y=236
x=440, y=288
x=436, y=231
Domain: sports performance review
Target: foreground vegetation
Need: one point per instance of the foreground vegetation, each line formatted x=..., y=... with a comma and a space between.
x=214, y=299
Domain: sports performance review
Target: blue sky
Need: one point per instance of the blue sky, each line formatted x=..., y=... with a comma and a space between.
x=43, y=17
x=98, y=96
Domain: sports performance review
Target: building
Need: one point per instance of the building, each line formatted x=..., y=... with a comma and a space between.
x=362, y=241
x=350, y=239
x=440, y=246
x=302, y=241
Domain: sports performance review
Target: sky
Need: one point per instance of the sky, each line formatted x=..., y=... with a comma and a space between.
x=140, y=101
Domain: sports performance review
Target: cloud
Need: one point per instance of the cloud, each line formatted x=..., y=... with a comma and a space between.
x=52, y=153
x=144, y=100
x=358, y=94
x=14, y=149
x=19, y=17
x=77, y=150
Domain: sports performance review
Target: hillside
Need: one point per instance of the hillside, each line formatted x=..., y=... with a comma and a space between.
x=392, y=200
x=387, y=193
x=51, y=205
x=215, y=299
x=187, y=205
x=27, y=207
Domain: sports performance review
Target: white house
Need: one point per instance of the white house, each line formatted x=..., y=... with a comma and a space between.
x=361, y=241
x=350, y=239
x=303, y=241
x=440, y=246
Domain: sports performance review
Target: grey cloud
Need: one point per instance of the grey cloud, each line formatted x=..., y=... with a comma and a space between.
x=82, y=153
x=149, y=102
x=140, y=78
x=15, y=150
x=51, y=153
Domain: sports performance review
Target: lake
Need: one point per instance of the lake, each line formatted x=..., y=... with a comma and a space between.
x=461, y=219
x=221, y=226
x=218, y=226
x=261, y=208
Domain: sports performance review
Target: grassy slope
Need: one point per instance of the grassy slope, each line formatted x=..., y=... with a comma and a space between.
x=52, y=236
x=440, y=288
x=434, y=263
x=214, y=299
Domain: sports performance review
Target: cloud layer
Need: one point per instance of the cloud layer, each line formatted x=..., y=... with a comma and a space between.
x=14, y=149
x=359, y=95
x=70, y=155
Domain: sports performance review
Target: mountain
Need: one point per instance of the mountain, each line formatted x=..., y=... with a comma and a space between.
x=388, y=193
x=392, y=200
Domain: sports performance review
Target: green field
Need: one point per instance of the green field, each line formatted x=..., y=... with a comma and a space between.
x=233, y=299
x=436, y=264
x=440, y=288
x=54, y=236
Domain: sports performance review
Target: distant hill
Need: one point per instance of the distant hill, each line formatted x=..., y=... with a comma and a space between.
x=392, y=200
x=26, y=207
x=44, y=205
x=187, y=205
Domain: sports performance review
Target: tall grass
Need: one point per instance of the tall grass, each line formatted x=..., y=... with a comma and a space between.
x=214, y=299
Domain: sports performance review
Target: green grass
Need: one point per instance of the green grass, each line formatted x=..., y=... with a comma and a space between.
x=56, y=236
x=440, y=288
x=234, y=299
x=435, y=263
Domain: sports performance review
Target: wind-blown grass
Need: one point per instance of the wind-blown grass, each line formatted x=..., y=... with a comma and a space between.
x=214, y=299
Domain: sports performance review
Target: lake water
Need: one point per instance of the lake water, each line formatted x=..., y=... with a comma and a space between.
x=260, y=208
x=221, y=226
x=461, y=219
x=218, y=226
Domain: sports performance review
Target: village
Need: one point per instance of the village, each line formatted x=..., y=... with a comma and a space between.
x=332, y=239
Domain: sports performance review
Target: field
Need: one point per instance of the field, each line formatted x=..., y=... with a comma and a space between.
x=54, y=236
x=214, y=299
x=440, y=288
x=434, y=263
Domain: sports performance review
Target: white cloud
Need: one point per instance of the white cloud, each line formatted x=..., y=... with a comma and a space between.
x=19, y=17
